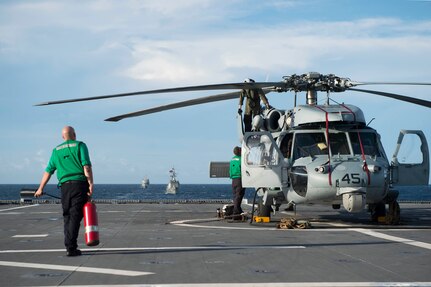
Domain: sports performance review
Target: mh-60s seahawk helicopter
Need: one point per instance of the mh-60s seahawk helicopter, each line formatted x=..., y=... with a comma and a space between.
x=312, y=153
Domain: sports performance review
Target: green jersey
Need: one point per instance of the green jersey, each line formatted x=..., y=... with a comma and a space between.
x=235, y=167
x=68, y=159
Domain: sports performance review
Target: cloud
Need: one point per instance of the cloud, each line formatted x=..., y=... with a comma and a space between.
x=41, y=159
x=288, y=47
x=21, y=165
x=157, y=61
x=185, y=41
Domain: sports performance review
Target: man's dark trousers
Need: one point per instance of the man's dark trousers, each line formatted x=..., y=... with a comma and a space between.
x=238, y=194
x=73, y=197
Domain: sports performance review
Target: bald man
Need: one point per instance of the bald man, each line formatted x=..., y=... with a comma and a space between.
x=75, y=178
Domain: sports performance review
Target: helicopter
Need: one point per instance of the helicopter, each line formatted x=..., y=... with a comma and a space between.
x=312, y=153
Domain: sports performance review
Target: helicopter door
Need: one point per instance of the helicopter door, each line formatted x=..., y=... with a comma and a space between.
x=410, y=162
x=262, y=162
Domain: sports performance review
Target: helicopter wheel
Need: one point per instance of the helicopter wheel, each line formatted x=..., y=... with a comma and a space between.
x=393, y=216
x=377, y=210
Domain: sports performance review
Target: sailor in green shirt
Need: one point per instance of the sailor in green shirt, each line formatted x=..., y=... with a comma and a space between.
x=75, y=177
x=237, y=189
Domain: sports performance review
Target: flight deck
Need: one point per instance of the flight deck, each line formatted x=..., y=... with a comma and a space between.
x=185, y=244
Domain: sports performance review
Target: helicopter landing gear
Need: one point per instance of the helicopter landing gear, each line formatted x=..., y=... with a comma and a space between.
x=261, y=210
x=264, y=210
x=393, y=215
x=378, y=212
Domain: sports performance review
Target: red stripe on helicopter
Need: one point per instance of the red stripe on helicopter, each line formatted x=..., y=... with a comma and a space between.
x=365, y=166
x=327, y=139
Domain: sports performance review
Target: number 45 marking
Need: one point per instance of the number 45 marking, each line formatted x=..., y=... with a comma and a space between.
x=353, y=178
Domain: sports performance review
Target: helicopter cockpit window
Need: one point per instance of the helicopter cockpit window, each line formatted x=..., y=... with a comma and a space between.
x=338, y=143
x=369, y=143
x=309, y=144
x=261, y=151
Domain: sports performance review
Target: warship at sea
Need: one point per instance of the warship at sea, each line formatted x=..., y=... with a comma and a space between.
x=174, y=183
x=145, y=183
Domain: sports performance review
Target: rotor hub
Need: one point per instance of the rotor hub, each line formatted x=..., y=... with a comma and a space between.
x=315, y=82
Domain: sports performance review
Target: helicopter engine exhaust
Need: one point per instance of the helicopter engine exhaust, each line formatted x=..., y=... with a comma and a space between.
x=272, y=120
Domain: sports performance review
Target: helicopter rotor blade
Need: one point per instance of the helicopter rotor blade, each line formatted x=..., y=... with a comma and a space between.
x=171, y=90
x=391, y=83
x=192, y=102
x=396, y=96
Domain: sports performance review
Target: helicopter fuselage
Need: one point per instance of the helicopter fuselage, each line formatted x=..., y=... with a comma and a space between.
x=316, y=154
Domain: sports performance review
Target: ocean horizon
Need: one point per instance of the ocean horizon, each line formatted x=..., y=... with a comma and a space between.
x=186, y=192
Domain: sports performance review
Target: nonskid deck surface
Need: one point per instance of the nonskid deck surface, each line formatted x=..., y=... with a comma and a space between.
x=183, y=244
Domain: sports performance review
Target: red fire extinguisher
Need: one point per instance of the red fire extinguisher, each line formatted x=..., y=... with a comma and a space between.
x=91, y=224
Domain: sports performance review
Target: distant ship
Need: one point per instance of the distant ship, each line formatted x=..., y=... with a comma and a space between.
x=145, y=182
x=173, y=184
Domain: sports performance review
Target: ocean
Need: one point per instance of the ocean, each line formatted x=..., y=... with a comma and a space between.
x=186, y=192
x=133, y=191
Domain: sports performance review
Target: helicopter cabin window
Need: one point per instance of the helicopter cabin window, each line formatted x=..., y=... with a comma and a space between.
x=338, y=143
x=369, y=143
x=410, y=150
x=261, y=151
x=309, y=144
x=286, y=145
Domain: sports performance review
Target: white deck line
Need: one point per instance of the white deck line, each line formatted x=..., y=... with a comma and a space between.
x=74, y=268
x=392, y=238
x=29, y=235
x=20, y=207
x=180, y=248
x=272, y=284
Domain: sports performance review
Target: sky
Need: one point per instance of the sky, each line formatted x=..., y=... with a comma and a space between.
x=52, y=50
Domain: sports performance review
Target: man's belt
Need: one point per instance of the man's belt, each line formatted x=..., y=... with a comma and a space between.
x=73, y=181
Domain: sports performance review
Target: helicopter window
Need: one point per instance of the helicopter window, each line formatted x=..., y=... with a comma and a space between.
x=369, y=143
x=309, y=144
x=286, y=145
x=338, y=143
x=261, y=151
x=410, y=150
